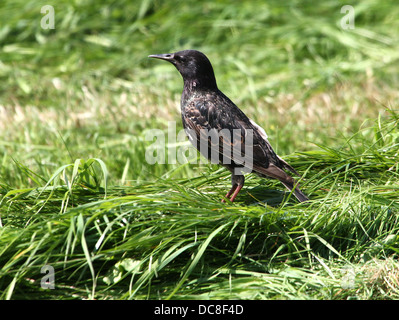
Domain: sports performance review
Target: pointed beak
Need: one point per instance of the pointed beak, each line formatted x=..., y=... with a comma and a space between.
x=165, y=56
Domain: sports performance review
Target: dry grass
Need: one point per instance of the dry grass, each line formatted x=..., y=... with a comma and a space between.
x=382, y=277
x=334, y=109
x=337, y=109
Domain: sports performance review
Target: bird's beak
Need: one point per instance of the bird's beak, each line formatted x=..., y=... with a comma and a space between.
x=165, y=56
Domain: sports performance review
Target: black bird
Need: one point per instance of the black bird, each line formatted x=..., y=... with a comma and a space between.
x=206, y=111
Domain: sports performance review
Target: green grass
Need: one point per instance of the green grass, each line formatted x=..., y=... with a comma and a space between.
x=77, y=194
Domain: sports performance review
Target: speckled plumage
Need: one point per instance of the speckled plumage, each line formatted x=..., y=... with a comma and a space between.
x=205, y=109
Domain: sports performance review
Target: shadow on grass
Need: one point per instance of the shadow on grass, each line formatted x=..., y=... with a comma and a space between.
x=263, y=194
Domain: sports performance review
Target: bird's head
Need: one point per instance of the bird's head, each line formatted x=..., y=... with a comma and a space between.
x=193, y=65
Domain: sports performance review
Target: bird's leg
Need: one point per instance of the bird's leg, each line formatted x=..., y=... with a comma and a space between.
x=237, y=182
x=238, y=188
x=233, y=188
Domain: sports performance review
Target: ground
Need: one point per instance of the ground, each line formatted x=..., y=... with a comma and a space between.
x=76, y=191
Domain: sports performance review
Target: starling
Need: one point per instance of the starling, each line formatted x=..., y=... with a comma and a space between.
x=207, y=112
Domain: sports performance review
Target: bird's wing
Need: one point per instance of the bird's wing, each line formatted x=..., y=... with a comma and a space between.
x=239, y=139
x=263, y=134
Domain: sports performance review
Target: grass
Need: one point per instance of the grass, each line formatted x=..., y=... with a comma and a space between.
x=76, y=192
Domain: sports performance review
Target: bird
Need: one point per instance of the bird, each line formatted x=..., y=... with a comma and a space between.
x=221, y=131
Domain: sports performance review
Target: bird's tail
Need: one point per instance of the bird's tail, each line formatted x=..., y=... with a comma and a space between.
x=297, y=193
x=272, y=171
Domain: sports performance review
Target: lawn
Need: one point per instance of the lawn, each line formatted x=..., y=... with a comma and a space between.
x=82, y=209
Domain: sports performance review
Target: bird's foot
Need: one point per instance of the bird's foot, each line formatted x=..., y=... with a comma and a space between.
x=233, y=193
